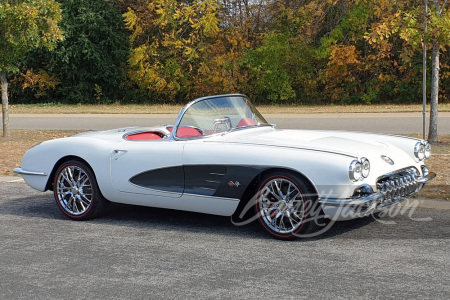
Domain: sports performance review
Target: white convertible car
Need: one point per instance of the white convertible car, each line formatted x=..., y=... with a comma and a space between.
x=221, y=157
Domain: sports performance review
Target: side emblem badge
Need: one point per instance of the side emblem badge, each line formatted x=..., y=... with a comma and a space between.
x=236, y=184
x=387, y=159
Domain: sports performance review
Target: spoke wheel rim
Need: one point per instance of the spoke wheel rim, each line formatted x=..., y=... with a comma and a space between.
x=74, y=190
x=281, y=206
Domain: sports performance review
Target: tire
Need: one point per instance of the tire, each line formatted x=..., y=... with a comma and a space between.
x=76, y=191
x=286, y=207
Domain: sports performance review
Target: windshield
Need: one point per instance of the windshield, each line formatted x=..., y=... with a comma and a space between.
x=218, y=114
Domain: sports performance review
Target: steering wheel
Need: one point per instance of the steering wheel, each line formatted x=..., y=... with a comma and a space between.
x=222, y=121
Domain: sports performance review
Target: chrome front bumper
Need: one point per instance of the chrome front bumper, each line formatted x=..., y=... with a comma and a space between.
x=396, y=191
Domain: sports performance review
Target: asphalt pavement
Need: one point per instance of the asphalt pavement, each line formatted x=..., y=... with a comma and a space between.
x=147, y=253
x=390, y=123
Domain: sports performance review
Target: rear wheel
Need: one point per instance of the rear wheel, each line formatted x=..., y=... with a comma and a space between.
x=76, y=191
x=285, y=206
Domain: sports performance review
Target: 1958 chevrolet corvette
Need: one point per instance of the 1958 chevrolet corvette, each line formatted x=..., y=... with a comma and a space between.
x=222, y=157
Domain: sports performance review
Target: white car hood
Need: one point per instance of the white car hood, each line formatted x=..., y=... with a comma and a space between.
x=352, y=144
x=346, y=143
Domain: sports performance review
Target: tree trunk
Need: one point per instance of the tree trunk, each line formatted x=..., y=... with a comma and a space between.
x=5, y=110
x=433, y=133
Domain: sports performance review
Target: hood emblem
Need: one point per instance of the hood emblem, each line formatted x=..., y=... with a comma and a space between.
x=387, y=159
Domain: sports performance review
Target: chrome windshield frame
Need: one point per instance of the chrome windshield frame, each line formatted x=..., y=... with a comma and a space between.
x=173, y=134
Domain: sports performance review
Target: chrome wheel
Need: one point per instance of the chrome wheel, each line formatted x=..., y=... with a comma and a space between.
x=74, y=190
x=281, y=206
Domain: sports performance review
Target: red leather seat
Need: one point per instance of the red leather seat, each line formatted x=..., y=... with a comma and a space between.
x=186, y=132
x=244, y=122
x=143, y=136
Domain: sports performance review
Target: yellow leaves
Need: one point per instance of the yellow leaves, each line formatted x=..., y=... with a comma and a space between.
x=132, y=23
x=39, y=82
x=188, y=51
x=341, y=67
x=343, y=55
x=445, y=75
x=161, y=84
x=177, y=34
x=383, y=7
x=138, y=55
x=216, y=79
x=406, y=55
x=385, y=77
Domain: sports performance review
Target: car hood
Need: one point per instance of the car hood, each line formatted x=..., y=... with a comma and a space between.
x=354, y=144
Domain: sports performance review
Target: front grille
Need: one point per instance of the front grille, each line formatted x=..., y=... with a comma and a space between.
x=401, y=184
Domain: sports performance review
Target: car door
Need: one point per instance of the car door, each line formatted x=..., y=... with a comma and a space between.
x=152, y=167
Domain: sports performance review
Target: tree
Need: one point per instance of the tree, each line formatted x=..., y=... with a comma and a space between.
x=440, y=36
x=169, y=39
x=25, y=25
x=88, y=66
x=406, y=24
x=90, y=61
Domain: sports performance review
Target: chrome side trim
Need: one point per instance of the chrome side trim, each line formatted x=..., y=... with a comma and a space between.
x=150, y=189
x=29, y=172
x=210, y=197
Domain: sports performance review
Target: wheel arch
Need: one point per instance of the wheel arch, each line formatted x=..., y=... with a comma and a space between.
x=252, y=187
x=61, y=161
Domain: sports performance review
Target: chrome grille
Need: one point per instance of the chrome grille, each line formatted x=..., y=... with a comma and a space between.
x=398, y=185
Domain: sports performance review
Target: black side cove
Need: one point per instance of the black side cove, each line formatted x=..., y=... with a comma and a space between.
x=209, y=180
x=166, y=179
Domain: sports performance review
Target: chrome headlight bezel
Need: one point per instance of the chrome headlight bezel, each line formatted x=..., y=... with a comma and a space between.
x=427, y=148
x=359, y=169
x=365, y=167
x=422, y=151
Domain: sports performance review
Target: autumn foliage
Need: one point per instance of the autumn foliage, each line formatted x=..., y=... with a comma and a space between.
x=276, y=51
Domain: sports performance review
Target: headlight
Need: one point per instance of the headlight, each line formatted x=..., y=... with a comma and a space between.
x=422, y=150
x=359, y=169
x=427, y=150
x=365, y=167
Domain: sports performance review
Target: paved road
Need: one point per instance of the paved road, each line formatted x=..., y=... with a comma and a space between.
x=144, y=253
x=381, y=123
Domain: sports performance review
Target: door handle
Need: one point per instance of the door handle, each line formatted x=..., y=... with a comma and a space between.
x=117, y=152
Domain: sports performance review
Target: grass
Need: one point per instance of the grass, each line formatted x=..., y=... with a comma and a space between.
x=174, y=109
x=13, y=149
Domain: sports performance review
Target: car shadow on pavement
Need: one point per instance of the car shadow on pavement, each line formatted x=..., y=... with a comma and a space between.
x=44, y=207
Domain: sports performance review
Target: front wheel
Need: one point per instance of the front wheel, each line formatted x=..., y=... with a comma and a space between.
x=76, y=191
x=285, y=206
